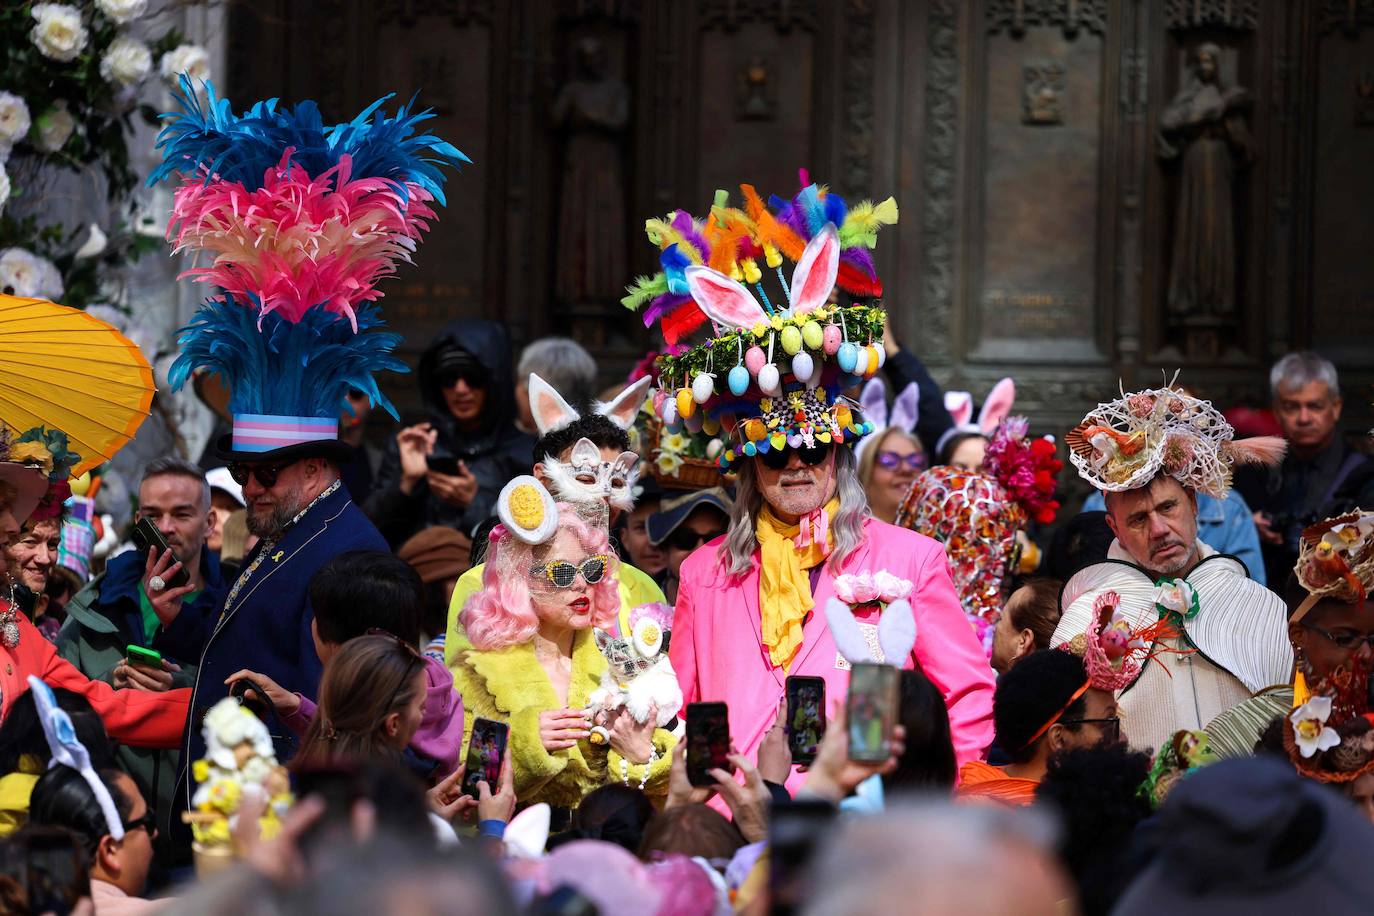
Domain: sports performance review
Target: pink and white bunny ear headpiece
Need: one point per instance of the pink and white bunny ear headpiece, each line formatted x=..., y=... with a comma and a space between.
x=623, y=409
x=815, y=275
x=997, y=406
x=873, y=403
x=725, y=301
x=960, y=407
x=906, y=409
x=547, y=406
x=896, y=633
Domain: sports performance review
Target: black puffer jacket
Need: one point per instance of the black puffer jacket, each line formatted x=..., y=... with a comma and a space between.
x=494, y=453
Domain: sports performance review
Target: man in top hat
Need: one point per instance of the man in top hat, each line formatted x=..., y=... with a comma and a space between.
x=1217, y=636
x=749, y=610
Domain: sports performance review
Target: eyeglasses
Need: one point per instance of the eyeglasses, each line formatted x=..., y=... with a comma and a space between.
x=562, y=573
x=1343, y=640
x=1111, y=725
x=266, y=474
x=892, y=461
x=812, y=455
x=147, y=822
x=684, y=538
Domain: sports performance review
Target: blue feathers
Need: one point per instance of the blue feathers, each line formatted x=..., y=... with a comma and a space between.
x=241, y=148
x=283, y=368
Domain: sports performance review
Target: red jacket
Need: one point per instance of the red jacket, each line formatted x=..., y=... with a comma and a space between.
x=131, y=716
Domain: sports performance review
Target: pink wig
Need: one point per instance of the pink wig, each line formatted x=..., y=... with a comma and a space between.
x=502, y=614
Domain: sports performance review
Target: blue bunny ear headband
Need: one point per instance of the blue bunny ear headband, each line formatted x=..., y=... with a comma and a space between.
x=68, y=751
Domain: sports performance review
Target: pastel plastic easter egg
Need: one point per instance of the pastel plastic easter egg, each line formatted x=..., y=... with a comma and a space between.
x=739, y=379
x=754, y=430
x=713, y=448
x=754, y=358
x=769, y=379
x=791, y=339
x=693, y=422
x=703, y=386
x=831, y=338
x=847, y=356
x=685, y=403
x=882, y=355
x=669, y=411
x=803, y=365
x=812, y=335
x=710, y=426
x=660, y=394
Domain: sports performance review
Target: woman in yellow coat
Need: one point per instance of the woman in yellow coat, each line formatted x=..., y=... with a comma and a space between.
x=525, y=654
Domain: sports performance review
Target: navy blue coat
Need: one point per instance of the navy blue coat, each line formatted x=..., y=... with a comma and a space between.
x=266, y=628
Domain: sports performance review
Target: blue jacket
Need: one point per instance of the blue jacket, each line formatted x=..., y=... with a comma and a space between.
x=266, y=627
x=1225, y=525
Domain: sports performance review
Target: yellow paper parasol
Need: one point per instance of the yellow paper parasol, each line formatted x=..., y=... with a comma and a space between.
x=64, y=369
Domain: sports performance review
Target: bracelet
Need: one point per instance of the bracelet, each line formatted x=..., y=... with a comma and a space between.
x=492, y=827
x=648, y=764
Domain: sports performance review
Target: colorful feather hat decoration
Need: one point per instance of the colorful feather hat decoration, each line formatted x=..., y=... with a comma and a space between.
x=301, y=222
x=772, y=372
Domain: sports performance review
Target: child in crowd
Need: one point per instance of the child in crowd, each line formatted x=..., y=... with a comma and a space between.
x=353, y=594
x=24, y=752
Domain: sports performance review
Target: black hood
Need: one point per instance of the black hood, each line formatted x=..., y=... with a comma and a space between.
x=489, y=344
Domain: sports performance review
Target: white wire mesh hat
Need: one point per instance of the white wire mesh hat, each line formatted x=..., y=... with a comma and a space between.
x=1123, y=444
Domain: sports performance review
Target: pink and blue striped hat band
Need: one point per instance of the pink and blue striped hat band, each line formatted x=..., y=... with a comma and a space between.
x=266, y=433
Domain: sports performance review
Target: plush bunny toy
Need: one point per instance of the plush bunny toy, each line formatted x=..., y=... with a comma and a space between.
x=639, y=674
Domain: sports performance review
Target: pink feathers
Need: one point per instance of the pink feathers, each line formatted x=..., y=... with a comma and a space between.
x=296, y=242
x=1257, y=450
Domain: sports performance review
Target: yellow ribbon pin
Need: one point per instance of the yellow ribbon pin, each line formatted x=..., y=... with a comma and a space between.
x=278, y=555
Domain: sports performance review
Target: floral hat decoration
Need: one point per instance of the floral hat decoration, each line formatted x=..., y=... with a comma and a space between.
x=1330, y=733
x=1114, y=652
x=1123, y=444
x=46, y=451
x=772, y=370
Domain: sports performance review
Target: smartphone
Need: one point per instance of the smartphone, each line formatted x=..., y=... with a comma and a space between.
x=871, y=711
x=148, y=658
x=708, y=741
x=442, y=464
x=805, y=716
x=145, y=535
x=486, y=750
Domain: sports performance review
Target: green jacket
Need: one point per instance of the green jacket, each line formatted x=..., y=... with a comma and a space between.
x=102, y=621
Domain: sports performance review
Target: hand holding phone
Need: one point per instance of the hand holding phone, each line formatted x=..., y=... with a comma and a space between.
x=708, y=741
x=146, y=536
x=147, y=658
x=486, y=750
x=805, y=716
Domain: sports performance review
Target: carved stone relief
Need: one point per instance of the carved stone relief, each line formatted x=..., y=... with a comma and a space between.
x=1241, y=15
x=1042, y=91
x=938, y=180
x=1015, y=16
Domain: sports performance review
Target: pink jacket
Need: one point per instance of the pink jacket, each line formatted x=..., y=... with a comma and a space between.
x=717, y=649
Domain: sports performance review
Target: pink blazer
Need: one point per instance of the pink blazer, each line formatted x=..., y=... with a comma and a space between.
x=717, y=648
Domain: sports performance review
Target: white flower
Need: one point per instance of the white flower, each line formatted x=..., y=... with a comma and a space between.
x=1175, y=596
x=14, y=118
x=193, y=60
x=127, y=61
x=122, y=11
x=1310, y=730
x=59, y=33
x=55, y=127
x=20, y=273
x=94, y=244
x=4, y=188
x=669, y=463
x=890, y=588
x=50, y=284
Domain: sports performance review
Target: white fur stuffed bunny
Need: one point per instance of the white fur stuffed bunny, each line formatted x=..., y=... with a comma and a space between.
x=639, y=674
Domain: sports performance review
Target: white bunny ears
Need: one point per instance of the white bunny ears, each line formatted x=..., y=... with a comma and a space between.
x=996, y=407
x=67, y=750
x=906, y=410
x=551, y=412
x=729, y=304
x=896, y=633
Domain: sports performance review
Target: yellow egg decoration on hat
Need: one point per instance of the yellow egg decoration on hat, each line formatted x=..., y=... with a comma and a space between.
x=686, y=404
x=791, y=339
x=527, y=510
x=812, y=335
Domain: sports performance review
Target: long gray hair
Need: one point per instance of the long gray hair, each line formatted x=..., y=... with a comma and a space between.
x=846, y=531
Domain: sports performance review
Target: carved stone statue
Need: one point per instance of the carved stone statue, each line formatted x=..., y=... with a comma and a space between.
x=593, y=110
x=1204, y=125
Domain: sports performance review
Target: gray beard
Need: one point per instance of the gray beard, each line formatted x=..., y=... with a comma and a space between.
x=275, y=522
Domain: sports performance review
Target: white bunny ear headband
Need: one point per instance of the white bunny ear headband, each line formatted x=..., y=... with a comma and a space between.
x=67, y=750
x=996, y=407
x=896, y=633
x=906, y=410
x=551, y=412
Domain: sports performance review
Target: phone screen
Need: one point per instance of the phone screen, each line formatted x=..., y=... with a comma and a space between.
x=442, y=464
x=871, y=711
x=805, y=716
x=486, y=748
x=708, y=741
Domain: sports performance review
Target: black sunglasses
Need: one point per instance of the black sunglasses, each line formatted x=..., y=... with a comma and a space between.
x=563, y=573
x=777, y=458
x=147, y=822
x=1111, y=725
x=265, y=473
x=1343, y=640
x=684, y=538
x=473, y=378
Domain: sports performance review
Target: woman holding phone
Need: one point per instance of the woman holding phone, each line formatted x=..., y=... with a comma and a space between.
x=525, y=653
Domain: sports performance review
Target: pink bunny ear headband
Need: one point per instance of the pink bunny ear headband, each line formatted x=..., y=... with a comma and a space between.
x=996, y=407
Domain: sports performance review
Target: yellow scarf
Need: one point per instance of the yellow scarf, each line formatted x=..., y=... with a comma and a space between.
x=784, y=584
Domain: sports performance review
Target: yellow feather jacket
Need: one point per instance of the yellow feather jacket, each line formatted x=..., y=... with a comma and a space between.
x=509, y=685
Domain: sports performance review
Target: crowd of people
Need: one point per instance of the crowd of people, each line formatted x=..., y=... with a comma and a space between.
x=559, y=649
